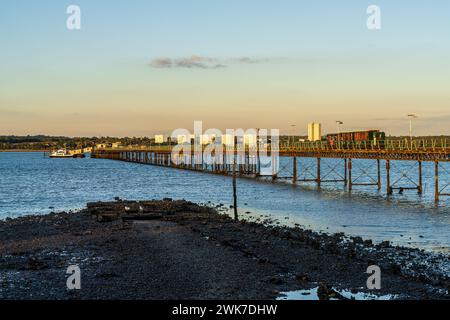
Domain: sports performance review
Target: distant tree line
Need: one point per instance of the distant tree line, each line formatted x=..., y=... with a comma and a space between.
x=42, y=142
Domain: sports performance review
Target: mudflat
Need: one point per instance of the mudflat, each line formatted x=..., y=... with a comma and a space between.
x=180, y=250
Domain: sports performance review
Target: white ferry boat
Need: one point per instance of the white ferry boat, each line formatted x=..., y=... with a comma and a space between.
x=63, y=153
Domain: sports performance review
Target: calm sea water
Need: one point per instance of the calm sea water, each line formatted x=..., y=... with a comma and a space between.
x=33, y=184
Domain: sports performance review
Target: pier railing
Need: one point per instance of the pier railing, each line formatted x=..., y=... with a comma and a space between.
x=247, y=161
x=419, y=149
x=438, y=145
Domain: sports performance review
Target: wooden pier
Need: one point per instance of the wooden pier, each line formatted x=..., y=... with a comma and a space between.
x=246, y=162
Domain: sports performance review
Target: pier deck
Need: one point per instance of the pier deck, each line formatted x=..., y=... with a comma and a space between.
x=246, y=162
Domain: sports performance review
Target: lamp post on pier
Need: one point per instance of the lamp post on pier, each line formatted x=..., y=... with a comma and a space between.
x=411, y=118
x=293, y=130
x=338, y=124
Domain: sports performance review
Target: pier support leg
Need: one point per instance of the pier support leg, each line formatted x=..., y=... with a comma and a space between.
x=258, y=163
x=247, y=163
x=224, y=163
x=202, y=163
x=241, y=165
x=379, y=174
x=319, y=180
x=420, y=187
x=294, y=170
x=236, y=217
x=388, y=177
x=274, y=165
x=345, y=173
x=436, y=174
x=350, y=184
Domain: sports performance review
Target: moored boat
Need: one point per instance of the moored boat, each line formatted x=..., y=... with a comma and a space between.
x=63, y=153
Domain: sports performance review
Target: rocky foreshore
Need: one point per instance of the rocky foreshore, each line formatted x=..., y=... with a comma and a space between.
x=180, y=250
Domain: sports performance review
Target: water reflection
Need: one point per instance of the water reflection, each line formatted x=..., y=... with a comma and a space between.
x=31, y=184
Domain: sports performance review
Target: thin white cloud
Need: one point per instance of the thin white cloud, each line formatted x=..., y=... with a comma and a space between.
x=200, y=62
x=161, y=63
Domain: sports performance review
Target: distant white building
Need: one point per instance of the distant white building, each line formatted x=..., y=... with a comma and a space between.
x=159, y=139
x=207, y=139
x=314, y=131
x=228, y=139
x=250, y=140
x=101, y=146
x=181, y=139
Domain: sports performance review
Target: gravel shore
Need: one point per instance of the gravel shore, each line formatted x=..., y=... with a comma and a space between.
x=180, y=250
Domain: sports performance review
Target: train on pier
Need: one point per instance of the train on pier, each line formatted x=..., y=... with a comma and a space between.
x=374, y=137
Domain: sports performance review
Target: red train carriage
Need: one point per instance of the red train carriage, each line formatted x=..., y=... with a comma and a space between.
x=374, y=137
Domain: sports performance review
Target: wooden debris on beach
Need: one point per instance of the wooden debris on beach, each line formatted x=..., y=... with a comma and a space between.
x=140, y=210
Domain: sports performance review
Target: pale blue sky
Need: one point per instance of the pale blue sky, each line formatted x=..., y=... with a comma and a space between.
x=313, y=61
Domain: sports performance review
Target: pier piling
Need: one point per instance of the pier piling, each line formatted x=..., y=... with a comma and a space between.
x=246, y=165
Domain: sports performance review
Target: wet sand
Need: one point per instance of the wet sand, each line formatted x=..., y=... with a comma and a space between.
x=180, y=250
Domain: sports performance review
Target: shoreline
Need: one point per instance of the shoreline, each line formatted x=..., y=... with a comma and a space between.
x=23, y=151
x=180, y=250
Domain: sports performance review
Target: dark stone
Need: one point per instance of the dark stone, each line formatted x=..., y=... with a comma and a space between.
x=276, y=280
x=36, y=265
x=324, y=291
x=395, y=269
x=385, y=244
x=107, y=275
x=357, y=240
x=302, y=277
